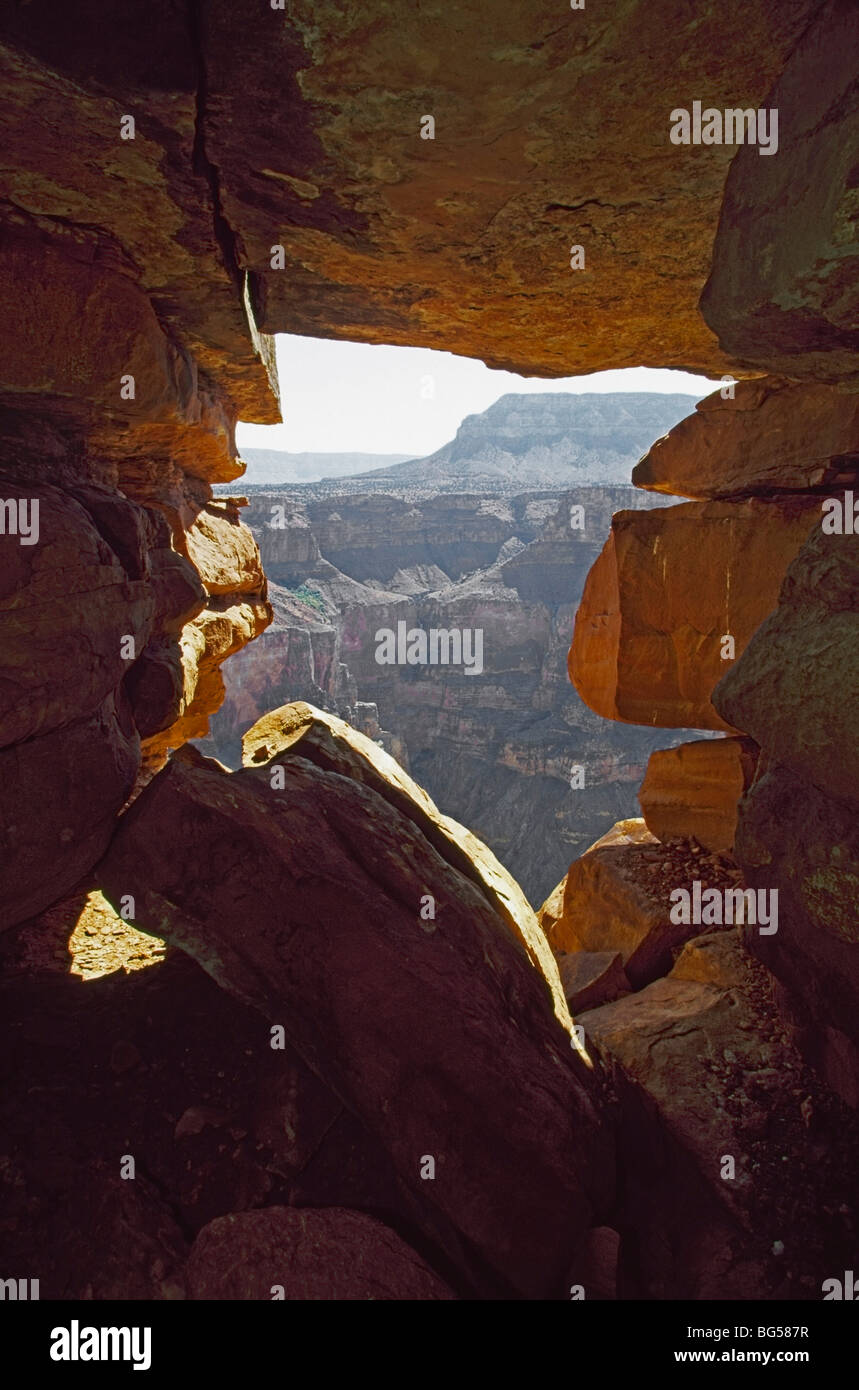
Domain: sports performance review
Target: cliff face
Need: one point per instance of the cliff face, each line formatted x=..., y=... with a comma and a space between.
x=545, y=440
x=353, y=1010
x=496, y=748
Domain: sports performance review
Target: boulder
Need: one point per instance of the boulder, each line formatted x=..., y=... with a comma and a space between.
x=300, y=730
x=224, y=552
x=722, y=1134
x=771, y=435
x=617, y=899
x=301, y=891
x=668, y=586
x=782, y=292
x=691, y=791
x=289, y=1253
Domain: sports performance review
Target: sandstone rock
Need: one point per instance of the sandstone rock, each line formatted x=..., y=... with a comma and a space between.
x=668, y=586
x=704, y=1075
x=553, y=909
x=59, y=797
x=796, y=839
x=83, y=328
x=617, y=899
x=517, y=172
x=122, y=1241
x=101, y=570
x=692, y=791
x=782, y=292
x=596, y=1271
x=773, y=435
x=224, y=553
x=591, y=978
x=140, y=211
x=794, y=688
x=222, y=628
x=299, y=730
x=796, y=828
x=313, y=916
x=334, y=1255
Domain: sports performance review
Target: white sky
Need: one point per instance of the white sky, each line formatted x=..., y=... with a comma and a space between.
x=363, y=398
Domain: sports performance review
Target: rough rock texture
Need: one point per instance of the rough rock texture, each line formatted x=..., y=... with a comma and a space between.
x=796, y=688
x=101, y=570
x=59, y=799
x=138, y=273
x=332, y=1254
x=784, y=289
x=463, y=241
x=334, y=878
x=704, y=1073
x=770, y=436
x=693, y=790
x=300, y=731
x=617, y=897
x=591, y=978
x=128, y=350
x=797, y=839
x=668, y=586
x=544, y=439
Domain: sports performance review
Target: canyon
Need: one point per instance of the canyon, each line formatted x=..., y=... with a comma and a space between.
x=289, y=1024
x=495, y=748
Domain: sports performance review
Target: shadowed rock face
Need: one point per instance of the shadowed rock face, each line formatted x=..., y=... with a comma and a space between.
x=438, y=1033
x=783, y=289
x=704, y=1074
x=329, y=1254
x=795, y=689
x=479, y=221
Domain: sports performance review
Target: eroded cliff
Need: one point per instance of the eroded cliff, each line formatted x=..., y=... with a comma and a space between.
x=315, y=1037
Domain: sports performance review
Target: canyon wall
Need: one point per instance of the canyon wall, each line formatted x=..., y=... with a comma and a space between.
x=509, y=749
x=305, y=988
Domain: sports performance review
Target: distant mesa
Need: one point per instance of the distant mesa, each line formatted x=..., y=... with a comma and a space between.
x=525, y=440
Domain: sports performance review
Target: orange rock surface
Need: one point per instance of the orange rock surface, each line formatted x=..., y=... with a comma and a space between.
x=668, y=586
x=771, y=436
x=692, y=791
